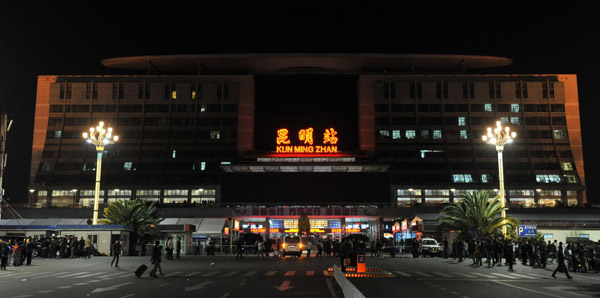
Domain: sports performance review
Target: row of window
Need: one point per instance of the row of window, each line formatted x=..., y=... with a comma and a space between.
x=151, y=134
x=127, y=166
x=411, y=134
x=485, y=107
x=460, y=192
x=144, y=90
x=148, y=108
x=468, y=90
x=128, y=192
x=553, y=178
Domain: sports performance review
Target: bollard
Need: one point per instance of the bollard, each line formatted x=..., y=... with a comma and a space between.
x=361, y=264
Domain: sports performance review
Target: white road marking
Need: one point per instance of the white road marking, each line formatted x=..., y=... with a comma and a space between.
x=521, y=276
x=505, y=275
x=172, y=273
x=242, y=283
x=526, y=289
x=89, y=275
x=198, y=286
x=485, y=275
x=224, y=295
x=127, y=296
x=230, y=273
x=95, y=280
x=164, y=284
x=442, y=274
x=72, y=274
x=192, y=274
x=80, y=284
x=44, y=291
x=271, y=273
x=64, y=287
x=402, y=273
x=211, y=273
x=250, y=273
x=422, y=274
x=112, y=274
x=290, y=273
x=54, y=274
x=465, y=275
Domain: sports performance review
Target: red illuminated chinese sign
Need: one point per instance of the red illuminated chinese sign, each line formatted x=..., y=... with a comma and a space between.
x=305, y=136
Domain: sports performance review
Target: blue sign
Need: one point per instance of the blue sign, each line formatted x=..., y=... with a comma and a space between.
x=527, y=231
x=361, y=259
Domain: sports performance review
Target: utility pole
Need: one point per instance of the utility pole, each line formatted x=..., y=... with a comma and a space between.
x=4, y=128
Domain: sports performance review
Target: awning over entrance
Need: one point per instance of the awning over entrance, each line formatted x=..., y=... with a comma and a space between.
x=305, y=167
x=211, y=226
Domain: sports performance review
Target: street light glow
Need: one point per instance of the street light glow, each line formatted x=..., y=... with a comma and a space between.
x=500, y=137
x=100, y=138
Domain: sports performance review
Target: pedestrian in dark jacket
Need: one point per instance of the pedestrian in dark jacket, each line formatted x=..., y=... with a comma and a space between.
x=116, y=248
x=156, y=259
x=3, y=255
x=344, y=253
x=561, y=262
x=29, y=247
x=240, y=248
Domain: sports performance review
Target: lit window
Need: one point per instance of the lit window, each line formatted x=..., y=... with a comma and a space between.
x=504, y=120
x=173, y=94
x=424, y=134
x=560, y=134
x=193, y=94
x=485, y=178
x=410, y=134
x=437, y=134
x=384, y=134
x=462, y=121
x=395, y=134
x=463, y=134
x=202, y=108
x=225, y=162
x=566, y=166
x=570, y=178
x=203, y=166
x=128, y=166
x=488, y=107
x=514, y=120
x=547, y=178
x=462, y=178
x=57, y=134
x=215, y=135
x=174, y=153
x=515, y=107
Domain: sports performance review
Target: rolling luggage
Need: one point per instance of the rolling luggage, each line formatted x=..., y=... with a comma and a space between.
x=141, y=270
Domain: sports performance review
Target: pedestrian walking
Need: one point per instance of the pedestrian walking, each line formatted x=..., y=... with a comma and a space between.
x=156, y=260
x=3, y=255
x=261, y=249
x=29, y=247
x=445, y=248
x=169, y=249
x=319, y=249
x=88, y=247
x=561, y=263
x=240, y=248
x=509, y=254
x=116, y=248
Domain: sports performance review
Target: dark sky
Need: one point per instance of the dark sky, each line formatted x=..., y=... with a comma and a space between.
x=51, y=37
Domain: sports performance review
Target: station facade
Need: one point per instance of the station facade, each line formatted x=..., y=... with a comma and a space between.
x=334, y=136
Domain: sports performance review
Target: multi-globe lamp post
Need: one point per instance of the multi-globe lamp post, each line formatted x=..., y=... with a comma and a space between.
x=99, y=136
x=499, y=137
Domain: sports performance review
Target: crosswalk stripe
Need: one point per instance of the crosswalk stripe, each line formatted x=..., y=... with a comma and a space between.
x=250, y=273
x=442, y=274
x=111, y=274
x=310, y=273
x=172, y=273
x=542, y=276
x=270, y=273
x=465, y=275
x=505, y=275
x=230, y=273
x=422, y=274
x=27, y=274
x=484, y=275
x=89, y=275
x=54, y=274
x=211, y=273
x=522, y=276
x=290, y=273
x=192, y=274
x=122, y=275
x=72, y=274
x=402, y=273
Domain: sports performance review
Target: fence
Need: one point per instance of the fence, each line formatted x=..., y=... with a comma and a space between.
x=350, y=290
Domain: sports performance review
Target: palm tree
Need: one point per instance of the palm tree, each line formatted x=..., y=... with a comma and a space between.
x=476, y=214
x=143, y=218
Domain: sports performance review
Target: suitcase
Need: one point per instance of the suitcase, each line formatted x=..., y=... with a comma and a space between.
x=141, y=270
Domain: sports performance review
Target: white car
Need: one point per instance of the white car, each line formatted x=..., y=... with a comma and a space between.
x=291, y=246
x=431, y=247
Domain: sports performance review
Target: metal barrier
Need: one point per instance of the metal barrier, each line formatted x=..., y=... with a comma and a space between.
x=350, y=290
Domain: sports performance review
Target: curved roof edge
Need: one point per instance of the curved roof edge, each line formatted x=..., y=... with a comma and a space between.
x=305, y=63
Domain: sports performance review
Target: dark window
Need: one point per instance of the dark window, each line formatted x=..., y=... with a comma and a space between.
x=491, y=90
x=56, y=108
x=530, y=108
x=503, y=108
x=223, y=90
x=69, y=87
x=167, y=90
x=140, y=90
x=462, y=108
x=542, y=108
x=61, y=94
x=557, y=108
x=498, y=90
x=94, y=90
x=83, y=108
x=416, y=90
x=559, y=121
x=121, y=91
x=146, y=90
x=525, y=94
x=88, y=90
x=383, y=108
x=115, y=90
x=423, y=108
x=518, y=89
x=389, y=90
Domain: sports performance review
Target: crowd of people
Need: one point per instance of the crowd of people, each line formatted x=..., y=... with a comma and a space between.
x=534, y=253
x=16, y=252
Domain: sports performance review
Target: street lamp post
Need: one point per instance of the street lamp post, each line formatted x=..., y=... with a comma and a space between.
x=499, y=137
x=99, y=137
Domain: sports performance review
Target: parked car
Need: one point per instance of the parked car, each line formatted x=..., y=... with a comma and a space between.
x=291, y=246
x=431, y=247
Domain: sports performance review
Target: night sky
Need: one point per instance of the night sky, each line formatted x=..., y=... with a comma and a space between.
x=49, y=38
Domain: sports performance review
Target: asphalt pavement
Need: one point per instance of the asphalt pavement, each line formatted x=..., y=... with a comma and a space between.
x=437, y=277
x=190, y=276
